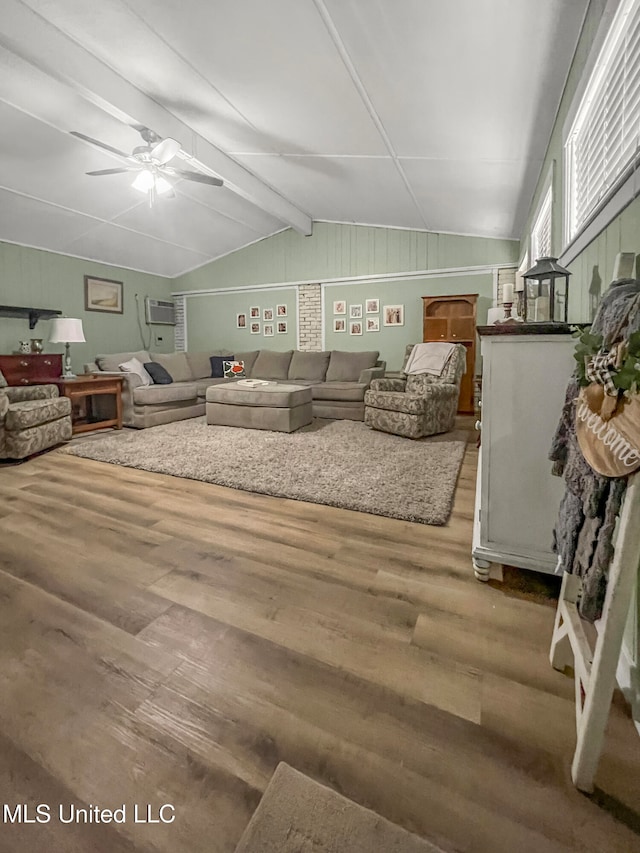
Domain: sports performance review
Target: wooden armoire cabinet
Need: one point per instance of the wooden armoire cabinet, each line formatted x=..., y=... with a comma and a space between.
x=453, y=318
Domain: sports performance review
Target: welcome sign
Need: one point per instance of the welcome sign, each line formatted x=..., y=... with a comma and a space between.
x=610, y=446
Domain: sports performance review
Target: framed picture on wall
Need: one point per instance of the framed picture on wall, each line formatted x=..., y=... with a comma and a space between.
x=355, y=312
x=393, y=315
x=268, y=330
x=281, y=310
x=355, y=327
x=255, y=328
x=372, y=306
x=241, y=321
x=373, y=324
x=254, y=312
x=102, y=294
x=282, y=327
x=339, y=325
x=340, y=307
x=267, y=315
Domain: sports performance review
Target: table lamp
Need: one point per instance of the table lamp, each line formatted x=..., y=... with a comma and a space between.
x=65, y=330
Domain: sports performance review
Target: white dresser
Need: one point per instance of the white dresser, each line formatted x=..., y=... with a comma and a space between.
x=524, y=378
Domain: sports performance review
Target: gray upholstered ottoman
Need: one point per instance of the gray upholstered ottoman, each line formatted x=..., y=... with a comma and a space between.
x=275, y=406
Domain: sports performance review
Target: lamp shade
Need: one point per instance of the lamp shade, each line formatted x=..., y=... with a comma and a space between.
x=66, y=330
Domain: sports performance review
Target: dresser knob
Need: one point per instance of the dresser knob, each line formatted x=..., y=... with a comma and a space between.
x=478, y=425
x=47, y=362
x=24, y=364
x=24, y=381
x=442, y=336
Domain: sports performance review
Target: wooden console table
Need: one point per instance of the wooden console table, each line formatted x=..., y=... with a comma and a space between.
x=82, y=389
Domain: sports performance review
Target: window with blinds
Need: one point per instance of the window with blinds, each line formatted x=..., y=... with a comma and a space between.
x=602, y=147
x=541, y=231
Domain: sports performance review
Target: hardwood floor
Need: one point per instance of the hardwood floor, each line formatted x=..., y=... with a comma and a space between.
x=169, y=641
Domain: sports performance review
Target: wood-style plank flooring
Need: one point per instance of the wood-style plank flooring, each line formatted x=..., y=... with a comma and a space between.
x=169, y=641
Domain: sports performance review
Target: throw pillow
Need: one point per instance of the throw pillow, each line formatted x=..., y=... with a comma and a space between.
x=233, y=369
x=217, y=362
x=157, y=372
x=109, y=363
x=136, y=367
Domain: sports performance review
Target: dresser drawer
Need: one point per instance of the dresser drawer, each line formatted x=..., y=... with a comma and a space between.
x=30, y=369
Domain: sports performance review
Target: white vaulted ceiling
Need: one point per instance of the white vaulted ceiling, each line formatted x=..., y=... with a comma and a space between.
x=426, y=114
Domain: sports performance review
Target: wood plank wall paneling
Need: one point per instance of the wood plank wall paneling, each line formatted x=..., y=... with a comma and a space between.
x=336, y=250
x=164, y=640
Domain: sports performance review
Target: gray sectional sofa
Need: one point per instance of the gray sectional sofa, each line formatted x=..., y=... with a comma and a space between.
x=338, y=381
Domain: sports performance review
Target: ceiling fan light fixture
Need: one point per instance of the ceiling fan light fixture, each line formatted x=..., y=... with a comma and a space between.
x=162, y=185
x=144, y=181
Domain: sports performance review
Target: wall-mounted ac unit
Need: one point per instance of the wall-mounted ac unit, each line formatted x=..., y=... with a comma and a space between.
x=160, y=312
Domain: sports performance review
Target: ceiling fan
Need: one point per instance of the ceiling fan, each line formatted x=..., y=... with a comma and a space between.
x=150, y=161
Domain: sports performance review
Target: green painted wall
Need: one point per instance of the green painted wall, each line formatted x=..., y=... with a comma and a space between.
x=390, y=341
x=337, y=251
x=340, y=251
x=35, y=278
x=212, y=320
x=593, y=268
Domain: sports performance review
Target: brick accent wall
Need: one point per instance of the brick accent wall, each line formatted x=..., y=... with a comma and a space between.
x=310, y=317
x=180, y=330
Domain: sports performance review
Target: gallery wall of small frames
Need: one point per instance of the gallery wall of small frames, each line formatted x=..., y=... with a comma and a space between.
x=359, y=318
x=264, y=321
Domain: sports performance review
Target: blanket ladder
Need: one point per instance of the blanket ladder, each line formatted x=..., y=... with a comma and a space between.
x=595, y=670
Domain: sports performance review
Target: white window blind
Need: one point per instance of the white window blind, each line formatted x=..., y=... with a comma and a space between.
x=541, y=231
x=603, y=143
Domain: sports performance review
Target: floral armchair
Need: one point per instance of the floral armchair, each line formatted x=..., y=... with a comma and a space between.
x=32, y=418
x=416, y=405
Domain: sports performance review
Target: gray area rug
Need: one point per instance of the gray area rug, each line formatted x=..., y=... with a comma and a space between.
x=338, y=463
x=297, y=815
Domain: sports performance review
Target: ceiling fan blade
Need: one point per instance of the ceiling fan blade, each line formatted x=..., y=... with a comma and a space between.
x=165, y=150
x=198, y=177
x=99, y=144
x=109, y=171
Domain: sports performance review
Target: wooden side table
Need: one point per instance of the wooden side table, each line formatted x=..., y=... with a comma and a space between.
x=82, y=389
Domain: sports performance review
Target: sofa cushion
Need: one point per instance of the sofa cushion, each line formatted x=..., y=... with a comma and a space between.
x=396, y=401
x=347, y=366
x=199, y=364
x=111, y=363
x=343, y=391
x=33, y=413
x=138, y=368
x=176, y=365
x=273, y=396
x=158, y=373
x=174, y=393
x=203, y=384
x=309, y=365
x=249, y=357
x=271, y=364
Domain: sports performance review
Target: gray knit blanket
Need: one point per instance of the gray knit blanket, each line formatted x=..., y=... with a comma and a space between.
x=583, y=536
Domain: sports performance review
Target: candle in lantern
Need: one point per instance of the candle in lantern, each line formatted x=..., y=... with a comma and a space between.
x=507, y=293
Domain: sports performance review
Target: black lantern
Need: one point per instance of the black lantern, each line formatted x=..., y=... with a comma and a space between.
x=546, y=292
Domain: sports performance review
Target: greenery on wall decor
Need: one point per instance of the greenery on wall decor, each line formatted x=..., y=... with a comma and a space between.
x=626, y=378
